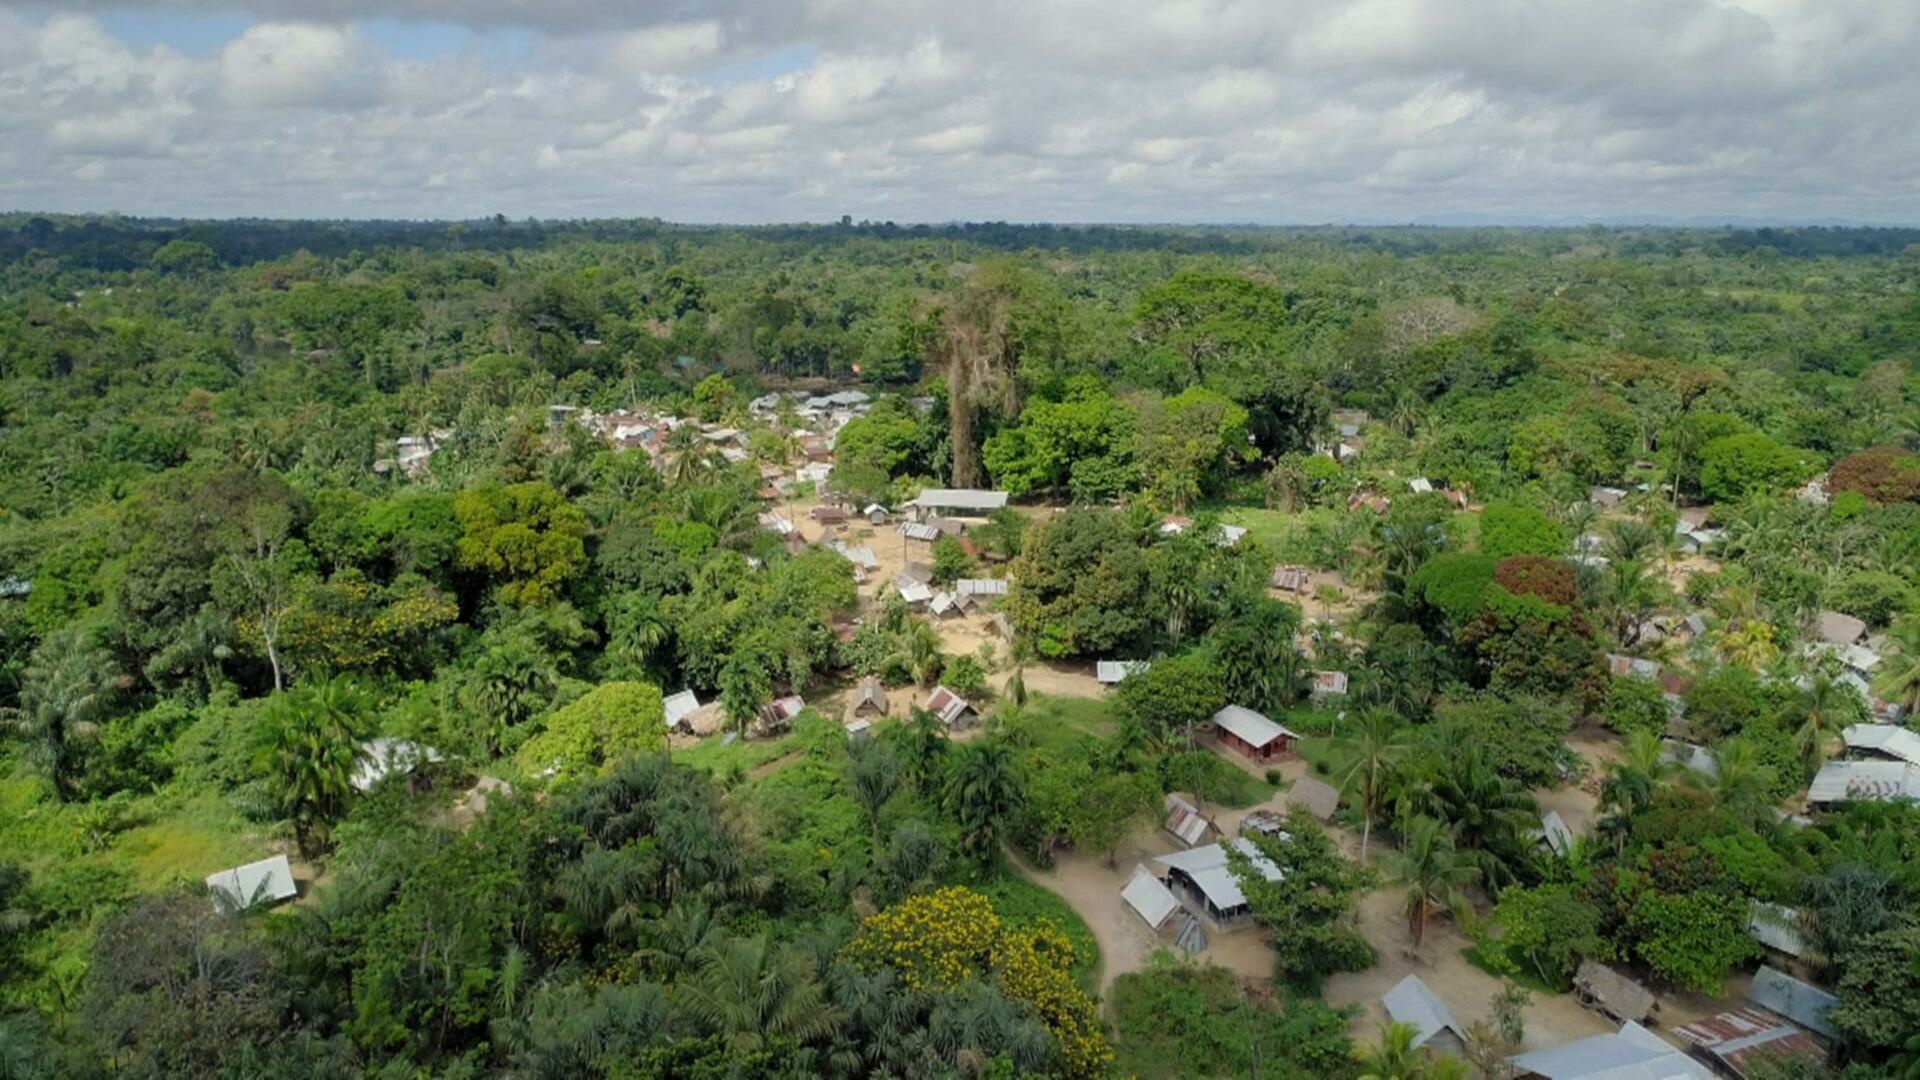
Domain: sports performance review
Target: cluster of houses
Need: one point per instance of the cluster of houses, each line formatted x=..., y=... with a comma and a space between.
x=1782, y=1022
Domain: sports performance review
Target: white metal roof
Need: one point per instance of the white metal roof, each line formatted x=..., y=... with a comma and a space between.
x=1553, y=829
x=1149, y=898
x=680, y=706
x=1877, y=781
x=1248, y=726
x=913, y=592
x=243, y=886
x=960, y=499
x=1776, y=926
x=1891, y=740
x=981, y=586
x=378, y=757
x=1634, y=1053
x=1209, y=870
x=917, y=530
x=1801, y=1002
x=1112, y=671
x=1414, y=1002
x=1420, y=485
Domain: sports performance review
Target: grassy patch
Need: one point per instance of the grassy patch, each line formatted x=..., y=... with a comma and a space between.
x=1177, y=1019
x=1058, y=723
x=1217, y=780
x=1020, y=904
x=191, y=840
x=714, y=757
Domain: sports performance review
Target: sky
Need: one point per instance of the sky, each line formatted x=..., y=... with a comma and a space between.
x=1243, y=111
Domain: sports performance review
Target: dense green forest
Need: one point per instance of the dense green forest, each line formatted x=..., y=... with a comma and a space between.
x=1560, y=494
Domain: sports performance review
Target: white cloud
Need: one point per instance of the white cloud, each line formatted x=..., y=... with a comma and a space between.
x=1018, y=109
x=673, y=47
x=276, y=65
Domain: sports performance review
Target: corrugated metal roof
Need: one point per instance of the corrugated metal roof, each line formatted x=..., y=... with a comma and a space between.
x=1891, y=740
x=1553, y=830
x=1149, y=898
x=1776, y=926
x=960, y=499
x=1735, y=1036
x=1112, y=671
x=1413, y=1002
x=1248, y=726
x=1875, y=781
x=1803, y=1003
x=243, y=886
x=1634, y=1053
x=680, y=706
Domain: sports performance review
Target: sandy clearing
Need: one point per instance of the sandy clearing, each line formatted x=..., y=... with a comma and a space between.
x=1466, y=989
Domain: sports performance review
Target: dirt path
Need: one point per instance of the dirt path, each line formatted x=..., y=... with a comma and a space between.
x=768, y=768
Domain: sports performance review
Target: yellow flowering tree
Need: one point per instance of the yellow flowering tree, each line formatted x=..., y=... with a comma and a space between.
x=946, y=937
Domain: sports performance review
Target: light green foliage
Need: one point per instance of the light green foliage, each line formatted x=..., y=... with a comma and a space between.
x=1173, y=697
x=1550, y=929
x=1636, y=704
x=714, y=397
x=1507, y=529
x=1455, y=584
x=1188, y=444
x=1735, y=466
x=950, y=560
x=526, y=538
x=610, y=722
x=1082, y=444
x=1692, y=939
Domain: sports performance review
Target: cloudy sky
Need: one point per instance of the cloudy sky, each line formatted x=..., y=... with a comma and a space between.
x=933, y=110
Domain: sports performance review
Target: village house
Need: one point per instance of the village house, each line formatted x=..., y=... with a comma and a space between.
x=870, y=698
x=1293, y=579
x=1886, y=741
x=1205, y=880
x=1414, y=1003
x=1328, y=684
x=1316, y=795
x=1736, y=1041
x=1254, y=736
x=957, y=502
x=952, y=709
x=779, y=714
x=1612, y=994
x=1633, y=1052
x=1864, y=781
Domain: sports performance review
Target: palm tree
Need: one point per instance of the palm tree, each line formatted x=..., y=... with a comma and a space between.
x=1373, y=755
x=983, y=793
x=1899, y=677
x=1821, y=712
x=918, y=651
x=747, y=991
x=1741, y=783
x=64, y=694
x=309, y=749
x=637, y=631
x=1749, y=643
x=1631, y=783
x=1433, y=872
x=688, y=455
x=874, y=774
x=512, y=680
x=1395, y=1057
x=1489, y=816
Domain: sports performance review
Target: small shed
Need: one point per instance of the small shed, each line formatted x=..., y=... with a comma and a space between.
x=1777, y=927
x=1420, y=485
x=859, y=728
x=1293, y=579
x=876, y=514
x=1149, y=898
x=1554, y=834
x=870, y=697
x=267, y=881
x=380, y=758
x=679, y=707
x=944, y=605
x=1328, y=684
x=778, y=714
x=1112, y=672
x=1414, y=1003
x=1837, y=628
x=1606, y=991
x=1604, y=496
x=913, y=592
x=1187, y=823
x=1318, y=796
x=952, y=709
x=1253, y=735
